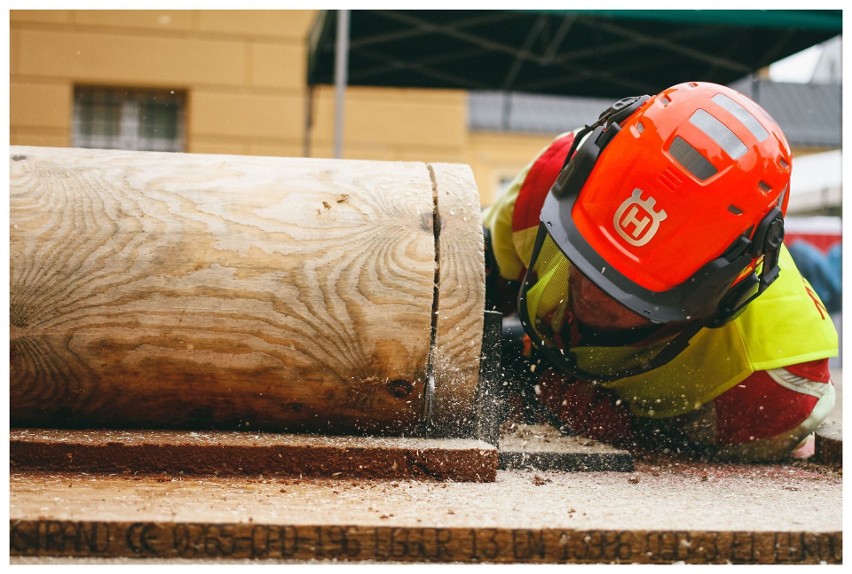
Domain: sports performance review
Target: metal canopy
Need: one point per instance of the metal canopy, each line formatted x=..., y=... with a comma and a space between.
x=597, y=53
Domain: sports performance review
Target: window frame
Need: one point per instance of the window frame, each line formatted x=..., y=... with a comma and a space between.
x=130, y=132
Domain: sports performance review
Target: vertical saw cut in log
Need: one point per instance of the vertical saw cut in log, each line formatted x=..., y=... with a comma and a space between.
x=156, y=290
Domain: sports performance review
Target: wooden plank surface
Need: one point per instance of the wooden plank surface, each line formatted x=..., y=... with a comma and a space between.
x=686, y=513
x=250, y=454
x=182, y=290
x=543, y=447
x=828, y=446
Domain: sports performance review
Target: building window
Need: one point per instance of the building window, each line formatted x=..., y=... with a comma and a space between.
x=117, y=118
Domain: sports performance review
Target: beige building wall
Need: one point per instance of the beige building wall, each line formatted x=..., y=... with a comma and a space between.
x=497, y=157
x=244, y=75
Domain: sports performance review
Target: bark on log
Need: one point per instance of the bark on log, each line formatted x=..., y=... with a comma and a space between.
x=197, y=291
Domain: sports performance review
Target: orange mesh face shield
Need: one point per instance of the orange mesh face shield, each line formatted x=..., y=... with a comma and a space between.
x=584, y=331
x=672, y=206
x=592, y=307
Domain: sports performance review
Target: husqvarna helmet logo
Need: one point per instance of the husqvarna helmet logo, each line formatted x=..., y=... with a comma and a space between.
x=636, y=221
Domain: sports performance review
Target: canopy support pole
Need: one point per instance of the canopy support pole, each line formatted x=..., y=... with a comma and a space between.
x=309, y=122
x=341, y=65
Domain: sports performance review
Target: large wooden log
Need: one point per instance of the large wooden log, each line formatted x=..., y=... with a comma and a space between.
x=176, y=290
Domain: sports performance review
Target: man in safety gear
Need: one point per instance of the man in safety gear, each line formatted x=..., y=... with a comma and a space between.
x=645, y=252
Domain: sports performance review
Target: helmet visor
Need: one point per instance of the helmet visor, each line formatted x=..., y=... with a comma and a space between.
x=696, y=298
x=584, y=331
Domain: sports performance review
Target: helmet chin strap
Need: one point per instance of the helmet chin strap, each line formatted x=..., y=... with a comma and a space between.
x=566, y=361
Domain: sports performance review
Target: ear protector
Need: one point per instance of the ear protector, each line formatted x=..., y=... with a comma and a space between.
x=766, y=242
x=581, y=160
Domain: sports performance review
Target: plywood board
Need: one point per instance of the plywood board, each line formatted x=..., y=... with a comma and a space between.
x=251, y=454
x=688, y=513
x=543, y=447
x=828, y=447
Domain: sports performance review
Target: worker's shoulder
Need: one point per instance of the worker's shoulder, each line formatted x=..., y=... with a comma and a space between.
x=788, y=323
x=538, y=180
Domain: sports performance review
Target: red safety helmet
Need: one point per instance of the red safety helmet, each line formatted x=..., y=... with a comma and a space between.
x=673, y=206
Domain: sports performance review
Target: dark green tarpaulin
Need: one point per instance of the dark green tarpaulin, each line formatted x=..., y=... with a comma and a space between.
x=598, y=53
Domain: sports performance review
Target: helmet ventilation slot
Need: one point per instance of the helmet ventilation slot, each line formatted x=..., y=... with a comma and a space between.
x=670, y=179
x=691, y=159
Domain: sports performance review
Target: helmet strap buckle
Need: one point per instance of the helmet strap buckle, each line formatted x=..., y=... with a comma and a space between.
x=765, y=243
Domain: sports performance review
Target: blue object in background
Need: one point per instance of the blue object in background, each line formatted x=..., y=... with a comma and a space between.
x=823, y=271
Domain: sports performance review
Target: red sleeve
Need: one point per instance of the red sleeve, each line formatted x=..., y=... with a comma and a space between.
x=538, y=182
x=760, y=407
